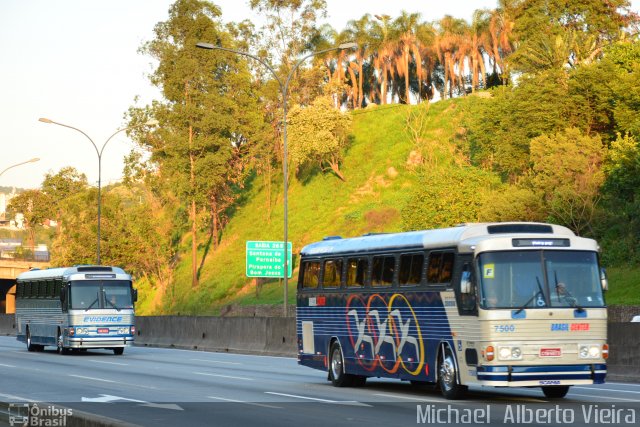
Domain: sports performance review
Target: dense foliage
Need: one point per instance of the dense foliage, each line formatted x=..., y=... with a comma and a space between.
x=552, y=135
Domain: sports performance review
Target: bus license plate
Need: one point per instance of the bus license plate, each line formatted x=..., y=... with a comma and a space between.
x=103, y=330
x=550, y=352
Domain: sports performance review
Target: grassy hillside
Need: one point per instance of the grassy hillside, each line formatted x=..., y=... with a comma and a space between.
x=379, y=181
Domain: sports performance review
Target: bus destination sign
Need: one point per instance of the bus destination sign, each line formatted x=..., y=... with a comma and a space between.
x=266, y=259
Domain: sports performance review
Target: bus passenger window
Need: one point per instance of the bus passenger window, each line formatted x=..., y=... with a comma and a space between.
x=382, y=272
x=356, y=271
x=332, y=274
x=310, y=279
x=410, y=269
x=447, y=267
x=440, y=267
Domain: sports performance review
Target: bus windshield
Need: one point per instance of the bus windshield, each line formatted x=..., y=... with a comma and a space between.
x=539, y=279
x=100, y=294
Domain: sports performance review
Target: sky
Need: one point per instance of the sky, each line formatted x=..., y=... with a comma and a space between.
x=76, y=62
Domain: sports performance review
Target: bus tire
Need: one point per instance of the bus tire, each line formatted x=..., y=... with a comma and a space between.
x=118, y=351
x=336, y=368
x=30, y=345
x=60, y=343
x=555, y=392
x=448, y=377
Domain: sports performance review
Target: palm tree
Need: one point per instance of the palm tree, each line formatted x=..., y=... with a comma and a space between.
x=406, y=26
x=383, y=46
x=358, y=31
x=478, y=39
x=448, y=42
x=426, y=36
x=501, y=24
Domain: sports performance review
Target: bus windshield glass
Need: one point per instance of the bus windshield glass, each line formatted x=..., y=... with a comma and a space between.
x=539, y=279
x=100, y=294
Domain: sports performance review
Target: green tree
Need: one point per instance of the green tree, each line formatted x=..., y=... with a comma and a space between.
x=552, y=35
x=448, y=195
x=318, y=134
x=61, y=188
x=34, y=205
x=567, y=169
x=208, y=114
x=620, y=229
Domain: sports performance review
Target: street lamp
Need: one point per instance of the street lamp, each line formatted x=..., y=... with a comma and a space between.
x=99, y=153
x=283, y=91
x=35, y=159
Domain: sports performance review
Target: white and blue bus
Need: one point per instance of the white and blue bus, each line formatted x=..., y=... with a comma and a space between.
x=83, y=307
x=497, y=304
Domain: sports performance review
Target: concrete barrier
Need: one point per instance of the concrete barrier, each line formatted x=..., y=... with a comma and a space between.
x=259, y=335
x=276, y=336
x=7, y=324
x=624, y=349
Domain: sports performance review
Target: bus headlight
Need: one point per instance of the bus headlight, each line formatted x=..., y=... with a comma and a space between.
x=516, y=353
x=509, y=353
x=589, y=351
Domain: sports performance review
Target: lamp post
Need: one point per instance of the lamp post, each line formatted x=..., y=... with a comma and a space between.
x=99, y=153
x=35, y=159
x=283, y=91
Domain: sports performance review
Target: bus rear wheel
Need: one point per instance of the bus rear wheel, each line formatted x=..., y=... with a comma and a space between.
x=336, y=370
x=448, y=378
x=30, y=345
x=555, y=392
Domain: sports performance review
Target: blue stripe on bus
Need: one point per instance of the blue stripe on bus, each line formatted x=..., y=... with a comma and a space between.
x=551, y=372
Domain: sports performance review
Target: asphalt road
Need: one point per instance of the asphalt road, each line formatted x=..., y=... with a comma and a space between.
x=168, y=387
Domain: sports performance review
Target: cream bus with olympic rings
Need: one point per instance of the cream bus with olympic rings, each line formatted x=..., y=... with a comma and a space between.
x=495, y=304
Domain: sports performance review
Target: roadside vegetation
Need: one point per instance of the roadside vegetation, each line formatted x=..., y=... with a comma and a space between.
x=537, y=121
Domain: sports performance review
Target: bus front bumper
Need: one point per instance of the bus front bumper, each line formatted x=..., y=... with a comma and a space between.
x=99, y=342
x=545, y=375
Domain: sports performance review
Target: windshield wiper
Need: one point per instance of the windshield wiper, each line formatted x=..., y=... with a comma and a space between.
x=95, y=301
x=561, y=290
x=112, y=304
x=539, y=293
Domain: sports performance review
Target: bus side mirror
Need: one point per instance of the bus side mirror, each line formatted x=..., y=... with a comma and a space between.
x=603, y=279
x=135, y=295
x=465, y=283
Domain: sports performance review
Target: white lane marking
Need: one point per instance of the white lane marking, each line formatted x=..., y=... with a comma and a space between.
x=607, y=389
x=216, y=361
x=92, y=378
x=106, y=398
x=338, y=402
x=223, y=376
x=413, y=398
x=13, y=397
x=601, y=397
x=108, y=363
x=263, y=405
x=7, y=366
x=111, y=381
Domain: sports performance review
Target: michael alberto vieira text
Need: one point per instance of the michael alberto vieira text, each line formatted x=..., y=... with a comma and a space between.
x=523, y=414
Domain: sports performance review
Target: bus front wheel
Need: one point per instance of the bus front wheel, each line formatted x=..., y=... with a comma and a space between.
x=448, y=378
x=118, y=351
x=555, y=392
x=61, y=348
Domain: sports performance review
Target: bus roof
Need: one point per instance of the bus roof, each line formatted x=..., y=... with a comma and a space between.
x=462, y=237
x=58, y=273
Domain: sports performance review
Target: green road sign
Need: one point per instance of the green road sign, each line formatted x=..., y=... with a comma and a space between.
x=266, y=259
